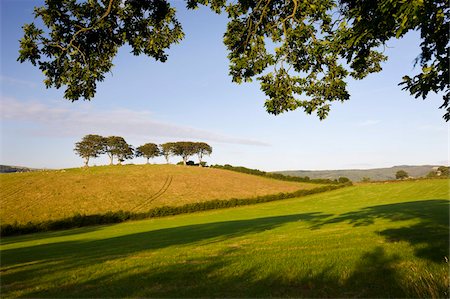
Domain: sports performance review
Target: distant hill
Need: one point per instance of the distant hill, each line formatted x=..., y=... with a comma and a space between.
x=9, y=169
x=375, y=174
x=49, y=195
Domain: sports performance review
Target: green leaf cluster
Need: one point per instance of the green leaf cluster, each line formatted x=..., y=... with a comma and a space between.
x=302, y=51
x=116, y=146
x=148, y=150
x=80, y=39
x=91, y=146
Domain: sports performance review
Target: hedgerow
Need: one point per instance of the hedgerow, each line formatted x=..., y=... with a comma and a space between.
x=279, y=176
x=80, y=220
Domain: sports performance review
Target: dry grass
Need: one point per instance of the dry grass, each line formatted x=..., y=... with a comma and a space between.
x=38, y=196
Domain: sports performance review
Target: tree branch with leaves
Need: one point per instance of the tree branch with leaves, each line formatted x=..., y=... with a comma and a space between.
x=302, y=52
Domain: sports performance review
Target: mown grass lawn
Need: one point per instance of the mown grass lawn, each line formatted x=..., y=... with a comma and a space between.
x=373, y=240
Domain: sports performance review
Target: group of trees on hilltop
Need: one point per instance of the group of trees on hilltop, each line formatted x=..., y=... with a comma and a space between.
x=92, y=146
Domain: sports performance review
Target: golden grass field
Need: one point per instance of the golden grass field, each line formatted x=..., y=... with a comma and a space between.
x=50, y=195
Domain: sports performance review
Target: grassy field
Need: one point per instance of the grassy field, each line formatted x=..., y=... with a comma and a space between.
x=50, y=195
x=374, y=240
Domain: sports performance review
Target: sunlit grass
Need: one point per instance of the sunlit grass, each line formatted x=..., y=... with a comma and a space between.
x=50, y=195
x=375, y=240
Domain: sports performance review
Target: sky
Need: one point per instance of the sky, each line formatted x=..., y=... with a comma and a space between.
x=191, y=97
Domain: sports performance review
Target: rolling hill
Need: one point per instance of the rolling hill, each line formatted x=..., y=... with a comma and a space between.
x=375, y=174
x=377, y=240
x=50, y=195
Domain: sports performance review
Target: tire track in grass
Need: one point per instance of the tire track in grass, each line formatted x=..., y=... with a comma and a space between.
x=158, y=194
x=39, y=183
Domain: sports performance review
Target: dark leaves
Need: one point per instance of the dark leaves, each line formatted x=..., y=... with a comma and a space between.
x=297, y=48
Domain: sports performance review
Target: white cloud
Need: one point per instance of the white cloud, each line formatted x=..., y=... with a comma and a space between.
x=14, y=81
x=62, y=122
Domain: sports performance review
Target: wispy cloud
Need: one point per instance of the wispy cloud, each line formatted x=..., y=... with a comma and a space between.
x=61, y=121
x=15, y=81
x=369, y=123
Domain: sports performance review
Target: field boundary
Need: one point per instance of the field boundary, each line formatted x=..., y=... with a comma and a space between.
x=279, y=176
x=81, y=220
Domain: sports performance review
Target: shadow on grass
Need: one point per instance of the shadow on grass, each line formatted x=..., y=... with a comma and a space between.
x=429, y=234
x=156, y=239
x=376, y=275
x=50, y=234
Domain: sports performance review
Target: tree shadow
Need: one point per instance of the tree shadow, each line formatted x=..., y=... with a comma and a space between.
x=429, y=235
x=25, y=264
x=376, y=275
x=156, y=239
x=50, y=234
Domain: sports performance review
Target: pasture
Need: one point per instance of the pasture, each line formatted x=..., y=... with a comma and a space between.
x=51, y=195
x=369, y=240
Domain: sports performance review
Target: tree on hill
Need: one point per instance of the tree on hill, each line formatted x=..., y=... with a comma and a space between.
x=148, y=150
x=201, y=149
x=401, y=174
x=113, y=146
x=167, y=150
x=185, y=149
x=124, y=151
x=320, y=44
x=91, y=146
x=343, y=180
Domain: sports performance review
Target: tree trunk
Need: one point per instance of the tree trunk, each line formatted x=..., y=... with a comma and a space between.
x=200, y=160
x=111, y=157
x=147, y=160
x=184, y=160
x=86, y=162
x=167, y=159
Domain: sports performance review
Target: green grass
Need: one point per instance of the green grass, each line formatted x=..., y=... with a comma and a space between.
x=374, y=240
x=52, y=195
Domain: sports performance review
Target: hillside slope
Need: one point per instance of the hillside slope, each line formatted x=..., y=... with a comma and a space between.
x=375, y=174
x=49, y=195
x=378, y=240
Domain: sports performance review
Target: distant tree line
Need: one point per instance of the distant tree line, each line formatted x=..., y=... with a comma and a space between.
x=437, y=172
x=92, y=146
x=279, y=176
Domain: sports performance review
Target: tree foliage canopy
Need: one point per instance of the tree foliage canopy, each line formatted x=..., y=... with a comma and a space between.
x=401, y=174
x=201, y=149
x=124, y=151
x=113, y=146
x=167, y=150
x=302, y=52
x=91, y=146
x=185, y=149
x=148, y=150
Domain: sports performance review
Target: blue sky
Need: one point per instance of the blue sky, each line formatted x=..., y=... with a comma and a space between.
x=191, y=97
